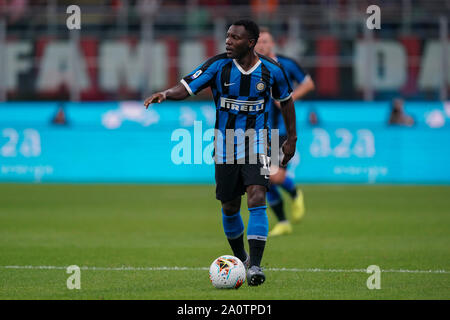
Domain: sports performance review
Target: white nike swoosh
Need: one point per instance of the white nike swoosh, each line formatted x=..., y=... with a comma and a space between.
x=228, y=84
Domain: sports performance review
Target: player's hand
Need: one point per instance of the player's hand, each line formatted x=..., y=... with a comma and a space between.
x=288, y=149
x=155, y=98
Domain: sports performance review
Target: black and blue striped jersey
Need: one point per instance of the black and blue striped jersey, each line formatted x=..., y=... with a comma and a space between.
x=242, y=100
x=296, y=74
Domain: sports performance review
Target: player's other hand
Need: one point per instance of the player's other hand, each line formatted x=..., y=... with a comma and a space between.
x=288, y=148
x=155, y=98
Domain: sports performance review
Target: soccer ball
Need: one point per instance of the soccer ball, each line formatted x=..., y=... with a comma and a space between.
x=227, y=272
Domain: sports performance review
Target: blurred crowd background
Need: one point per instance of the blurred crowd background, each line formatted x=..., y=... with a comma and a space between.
x=380, y=111
x=126, y=49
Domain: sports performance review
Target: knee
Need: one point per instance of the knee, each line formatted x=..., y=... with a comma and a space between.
x=257, y=198
x=231, y=207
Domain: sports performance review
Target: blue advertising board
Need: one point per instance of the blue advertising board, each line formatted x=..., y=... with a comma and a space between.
x=172, y=143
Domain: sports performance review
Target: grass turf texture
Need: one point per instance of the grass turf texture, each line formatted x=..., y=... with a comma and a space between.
x=346, y=227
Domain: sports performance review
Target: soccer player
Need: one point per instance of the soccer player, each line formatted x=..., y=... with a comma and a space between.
x=305, y=84
x=242, y=84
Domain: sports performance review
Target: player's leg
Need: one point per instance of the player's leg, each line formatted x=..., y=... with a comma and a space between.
x=233, y=227
x=256, y=179
x=277, y=175
x=298, y=204
x=274, y=197
x=258, y=223
x=257, y=231
x=275, y=201
x=287, y=183
x=229, y=191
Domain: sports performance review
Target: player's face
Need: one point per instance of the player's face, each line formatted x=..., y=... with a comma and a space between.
x=265, y=44
x=238, y=43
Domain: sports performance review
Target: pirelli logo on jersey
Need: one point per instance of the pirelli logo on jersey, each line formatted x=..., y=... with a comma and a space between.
x=241, y=105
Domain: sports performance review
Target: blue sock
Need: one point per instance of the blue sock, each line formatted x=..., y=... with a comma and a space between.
x=276, y=202
x=257, y=230
x=289, y=185
x=273, y=195
x=233, y=225
x=234, y=230
x=258, y=224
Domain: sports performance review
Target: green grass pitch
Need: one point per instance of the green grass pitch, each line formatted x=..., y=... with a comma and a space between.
x=346, y=229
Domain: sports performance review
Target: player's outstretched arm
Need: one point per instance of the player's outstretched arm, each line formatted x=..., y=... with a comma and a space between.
x=303, y=88
x=288, y=147
x=177, y=92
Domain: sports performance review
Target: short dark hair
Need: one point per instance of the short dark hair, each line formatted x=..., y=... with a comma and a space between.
x=250, y=26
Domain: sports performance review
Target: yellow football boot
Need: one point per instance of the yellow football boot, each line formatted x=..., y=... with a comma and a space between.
x=280, y=229
x=298, y=207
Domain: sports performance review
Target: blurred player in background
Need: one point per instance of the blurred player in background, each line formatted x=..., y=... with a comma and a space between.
x=243, y=84
x=305, y=84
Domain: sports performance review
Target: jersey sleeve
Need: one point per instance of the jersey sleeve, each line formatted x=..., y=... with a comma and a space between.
x=296, y=72
x=200, y=78
x=281, y=89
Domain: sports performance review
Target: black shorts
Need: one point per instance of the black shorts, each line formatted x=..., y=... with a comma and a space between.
x=232, y=180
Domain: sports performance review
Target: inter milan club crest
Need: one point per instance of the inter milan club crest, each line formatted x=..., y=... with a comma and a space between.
x=260, y=86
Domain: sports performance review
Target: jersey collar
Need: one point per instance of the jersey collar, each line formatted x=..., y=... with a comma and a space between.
x=250, y=70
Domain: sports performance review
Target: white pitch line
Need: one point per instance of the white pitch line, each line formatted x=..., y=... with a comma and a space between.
x=204, y=268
